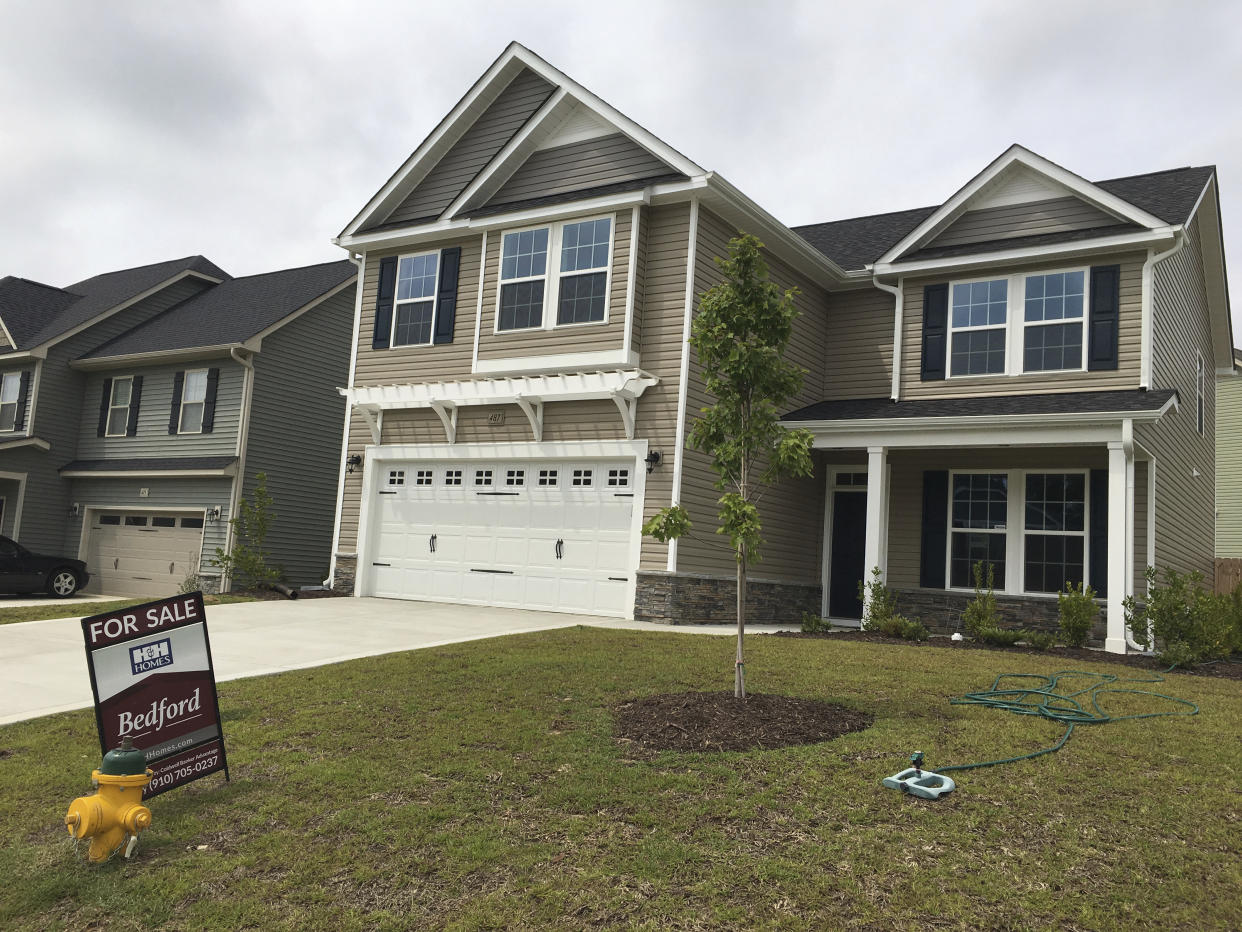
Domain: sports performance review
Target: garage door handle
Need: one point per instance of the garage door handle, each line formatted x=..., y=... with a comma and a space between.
x=170, y=567
x=560, y=548
x=433, y=543
x=381, y=564
x=475, y=569
x=116, y=563
x=497, y=493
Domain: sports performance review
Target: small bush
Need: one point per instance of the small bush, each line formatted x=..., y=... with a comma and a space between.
x=879, y=602
x=1038, y=640
x=899, y=627
x=1183, y=622
x=1001, y=637
x=1078, y=613
x=981, y=616
x=814, y=624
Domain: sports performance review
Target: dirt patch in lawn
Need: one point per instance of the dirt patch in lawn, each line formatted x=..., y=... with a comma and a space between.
x=1228, y=669
x=721, y=722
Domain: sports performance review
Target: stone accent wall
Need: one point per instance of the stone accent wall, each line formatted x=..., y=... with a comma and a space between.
x=677, y=599
x=346, y=572
x=942, y=611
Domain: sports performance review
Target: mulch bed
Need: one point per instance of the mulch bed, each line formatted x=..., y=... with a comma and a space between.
x=271, y=595
x=721, y=722
x=1226, y=669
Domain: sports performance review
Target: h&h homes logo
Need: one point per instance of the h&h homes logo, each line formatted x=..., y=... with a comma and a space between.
x=150, y=656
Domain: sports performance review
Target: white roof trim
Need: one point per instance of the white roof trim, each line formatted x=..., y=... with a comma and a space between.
x=25, y=442
x=575, y=386
x=1017, y=154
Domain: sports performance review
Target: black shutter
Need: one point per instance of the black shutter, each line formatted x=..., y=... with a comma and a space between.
x=1097, y=572
x=1105, y=319
x=935, y=331
x=935, y=528
x=446, y=299
x=23, y=396
x=174, y=416
x=383, y=303
x=135, y=399
x=209, y=402
x=104, y=400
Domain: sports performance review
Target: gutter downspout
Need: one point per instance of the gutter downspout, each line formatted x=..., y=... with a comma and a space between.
x=361, y=263
x=898, y=292
x=1146, y=326
x=243, y=436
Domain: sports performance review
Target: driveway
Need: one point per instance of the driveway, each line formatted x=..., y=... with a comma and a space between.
x=43, y=663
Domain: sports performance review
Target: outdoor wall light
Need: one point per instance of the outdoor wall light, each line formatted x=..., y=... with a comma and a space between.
x=352, y=462
x=74, y=510
x=652, y=460
x=213, y=513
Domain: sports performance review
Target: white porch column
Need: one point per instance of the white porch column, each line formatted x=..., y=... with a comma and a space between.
x=1120, y=497
x=877, y=508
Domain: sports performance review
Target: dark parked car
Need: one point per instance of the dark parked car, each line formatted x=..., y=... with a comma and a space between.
x=23, y=571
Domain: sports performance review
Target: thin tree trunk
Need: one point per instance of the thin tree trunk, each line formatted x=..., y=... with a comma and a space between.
x=739, y=678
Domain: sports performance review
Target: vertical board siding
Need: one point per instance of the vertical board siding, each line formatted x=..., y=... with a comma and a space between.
x=1059, y=215
x=1185, y=460
x=295, y=403
x=858, y=351
x=477, y=146
x=1229, y=466
x=580, y=165
x=573, y=338
x=1126, y=374
x=791, y=509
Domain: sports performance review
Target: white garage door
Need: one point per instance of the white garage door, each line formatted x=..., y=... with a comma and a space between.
x=142, y=554
x=547, y=535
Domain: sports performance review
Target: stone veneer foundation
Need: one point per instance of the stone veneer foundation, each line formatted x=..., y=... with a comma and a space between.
x=941, y=611
x=346, y=572
x=678, y=599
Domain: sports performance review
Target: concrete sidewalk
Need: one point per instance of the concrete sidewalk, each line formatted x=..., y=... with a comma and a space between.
x=43, y=663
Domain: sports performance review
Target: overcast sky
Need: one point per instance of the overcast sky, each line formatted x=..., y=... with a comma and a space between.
x=252, y=132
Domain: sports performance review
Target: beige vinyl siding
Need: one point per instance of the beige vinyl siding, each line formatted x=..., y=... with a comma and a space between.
x=640, y=273
x=1059, y=215
x=1229, y=466
x=606, y=160
x=569, y=338
x=1126, y=375
x=858, y=351
x=475, y=149
x=1181, y=331
x=404, y=364
x=791, y=510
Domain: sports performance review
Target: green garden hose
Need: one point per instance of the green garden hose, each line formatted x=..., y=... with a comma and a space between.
x=1068, y=708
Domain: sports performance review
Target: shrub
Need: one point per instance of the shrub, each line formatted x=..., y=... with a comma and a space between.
x=246, y=563
x=1078, y=613
x=1038, y=640
x=1183, y=622
x=1001, y=637
x=981, y=616
x=899, y=627
x=879, y=602
x=814, y=624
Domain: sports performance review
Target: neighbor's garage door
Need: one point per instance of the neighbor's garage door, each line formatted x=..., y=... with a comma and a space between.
x=142, y=554
x=551, y=535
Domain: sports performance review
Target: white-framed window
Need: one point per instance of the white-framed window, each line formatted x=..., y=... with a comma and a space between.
x=581, y=478
x=619, y=478
x=554, y=276
x=1022, y=323
x=10, y=390
x=452, y=477
x=396, y=477
x=423, y=477
x=1038, y=552
x=118, y=406
x=193, y=401
x=1199, y=389
x=482, y=477
x=547, y=477
x=414, y=305
x=515, y=477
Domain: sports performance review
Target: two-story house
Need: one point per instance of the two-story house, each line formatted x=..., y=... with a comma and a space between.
x=155, y=398
x=1016, y=376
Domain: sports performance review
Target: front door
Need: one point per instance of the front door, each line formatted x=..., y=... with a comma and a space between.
x=849, y=531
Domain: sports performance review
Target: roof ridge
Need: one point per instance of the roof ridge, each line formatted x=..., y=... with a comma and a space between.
x=147, y=265
x=886, y=213
x=31, y=281
x=1163, y=171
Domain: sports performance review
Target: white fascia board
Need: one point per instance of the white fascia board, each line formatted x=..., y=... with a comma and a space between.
x=1145, y=239
x=25, y=442
x=7, y=336
x=1212, y=255
x=148, y=473
x=25, y=355
x=1075, y=184
x=155, y=357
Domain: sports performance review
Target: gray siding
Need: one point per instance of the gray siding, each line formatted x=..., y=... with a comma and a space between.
x=1058, y=215
x=296, y=407
x=579, y=165
x=155, y=406
x=477, y=146
x=1229, y=466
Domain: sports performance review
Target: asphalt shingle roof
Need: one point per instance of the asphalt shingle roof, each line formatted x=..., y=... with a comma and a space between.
x=26, y=306
x=231, y=312
x=856, y=243
x=1117, y=401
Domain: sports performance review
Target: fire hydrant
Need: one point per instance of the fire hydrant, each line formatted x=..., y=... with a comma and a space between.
x=115, y=811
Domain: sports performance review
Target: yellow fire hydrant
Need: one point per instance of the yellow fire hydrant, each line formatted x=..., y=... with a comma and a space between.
x=115, y=811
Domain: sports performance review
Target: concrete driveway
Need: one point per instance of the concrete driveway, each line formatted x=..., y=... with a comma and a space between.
x=43, y=663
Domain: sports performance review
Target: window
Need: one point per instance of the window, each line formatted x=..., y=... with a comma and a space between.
x=619, y=478
x=852, y=479
x=1056, y=513
x=547, y=477
x=10, y=389
x=482, y=477
x=1198, y=393
x=576, y=280
x=582, y=477
x=118, y=407
x=515, y=477
x=160, y=521
x=1054, y=321
x=977, y=325
x=135, y=521
x=193, y=400
x=423, y=477
x=110, y=519
x=979, y=510
x=452, y=477
x=396, y=477
x=415, y=301
x=192, y=522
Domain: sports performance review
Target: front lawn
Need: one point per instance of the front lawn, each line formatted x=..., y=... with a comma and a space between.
x=479, y=786
x=55, y=608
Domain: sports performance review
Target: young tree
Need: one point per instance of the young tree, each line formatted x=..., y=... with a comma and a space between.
x=246, y=563
x=740, y=333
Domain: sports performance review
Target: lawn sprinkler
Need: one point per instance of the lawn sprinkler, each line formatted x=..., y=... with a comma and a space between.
x=919, y=782
x=114, y=814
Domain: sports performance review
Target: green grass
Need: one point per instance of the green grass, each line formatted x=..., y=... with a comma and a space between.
x=55, y=608
x=478, y=786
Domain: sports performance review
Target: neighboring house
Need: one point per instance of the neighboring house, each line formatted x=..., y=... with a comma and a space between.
x=146, y=401
x=1229, y=461
x=521, y=387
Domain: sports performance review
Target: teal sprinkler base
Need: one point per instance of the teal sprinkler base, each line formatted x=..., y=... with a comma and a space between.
x=918, y=782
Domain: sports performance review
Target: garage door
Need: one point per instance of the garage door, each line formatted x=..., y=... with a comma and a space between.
x=551, y=535
x=142, y=554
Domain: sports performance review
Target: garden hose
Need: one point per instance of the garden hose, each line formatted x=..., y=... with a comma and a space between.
x=1068, y=708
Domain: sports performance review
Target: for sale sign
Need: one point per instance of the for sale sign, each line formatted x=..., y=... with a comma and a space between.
x=153, y=681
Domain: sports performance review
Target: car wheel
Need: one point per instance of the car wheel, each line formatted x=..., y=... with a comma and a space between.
x=62, y=583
